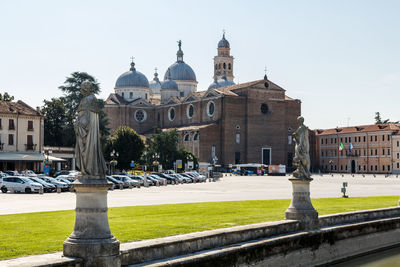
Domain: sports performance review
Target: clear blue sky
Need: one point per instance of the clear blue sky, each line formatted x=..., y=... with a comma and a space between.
x=341, y=58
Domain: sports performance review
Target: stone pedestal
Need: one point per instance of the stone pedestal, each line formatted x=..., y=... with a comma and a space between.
x=301, y=208
x=92, y=239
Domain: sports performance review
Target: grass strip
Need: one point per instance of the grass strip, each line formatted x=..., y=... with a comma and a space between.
x=44, y=232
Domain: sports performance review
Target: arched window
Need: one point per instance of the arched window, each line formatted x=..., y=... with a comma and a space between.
x=216, y=66
x=187, y=138
x=123, y=95
x=224, y=66
x=196, y=137
x=229, y=66
x=130, y=95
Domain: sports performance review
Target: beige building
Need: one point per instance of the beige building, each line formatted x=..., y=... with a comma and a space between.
x=396, y=151
x=21, y=137
x=365, y=149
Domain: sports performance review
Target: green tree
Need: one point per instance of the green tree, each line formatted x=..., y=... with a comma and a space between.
x=71, y=99
x=54, y=122
x=127, y=143
x=163, y=147
x=378, y=119
x=6, y=97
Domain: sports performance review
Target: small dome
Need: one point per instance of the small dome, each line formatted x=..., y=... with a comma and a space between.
x=215, y=84
x=132, y=78
x=169, y=84
x=225, y=82
x=223, y=43
x=155, y=84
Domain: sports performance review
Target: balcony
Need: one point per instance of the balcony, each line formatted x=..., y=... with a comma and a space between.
x=30, y=147
x=30, y=129
x=352, y=154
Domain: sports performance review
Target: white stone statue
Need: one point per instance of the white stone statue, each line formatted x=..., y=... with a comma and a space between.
x=89, y=156
x=302, y=156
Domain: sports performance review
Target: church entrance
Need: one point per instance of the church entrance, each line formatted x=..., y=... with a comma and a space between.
x=353, y=166
x=266, y=156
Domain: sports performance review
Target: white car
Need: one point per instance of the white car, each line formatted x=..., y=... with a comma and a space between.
x=19, y=184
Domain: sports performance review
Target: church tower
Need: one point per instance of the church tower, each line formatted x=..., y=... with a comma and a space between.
x=223, y=62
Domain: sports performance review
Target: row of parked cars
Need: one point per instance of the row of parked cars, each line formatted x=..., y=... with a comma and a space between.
x=121, y=181
x=29, y=182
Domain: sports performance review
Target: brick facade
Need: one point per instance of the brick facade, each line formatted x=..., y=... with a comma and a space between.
x=374, y=149
x=238, y=130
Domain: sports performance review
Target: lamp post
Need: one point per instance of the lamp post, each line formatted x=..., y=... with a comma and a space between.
x=113, y=161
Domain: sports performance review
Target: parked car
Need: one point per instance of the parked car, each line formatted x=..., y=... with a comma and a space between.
x=2, y=174
x=65, y=180
x=126, y=180
x=192, y=178
x=28, y=173
x=153, y=180
x=140, y=180
x=170, y=179
x=66, y=177
x=161, y=180
x=12, y=173
x=19, y=184
x=47, y=187
x=181, y=178
x=63, y=172
x=58, y=184
x=201, y=177
x=116, y=183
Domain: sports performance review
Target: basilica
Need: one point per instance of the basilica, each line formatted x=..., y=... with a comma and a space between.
x=232, y=123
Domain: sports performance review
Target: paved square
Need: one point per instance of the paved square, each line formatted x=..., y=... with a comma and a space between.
x=229, y=188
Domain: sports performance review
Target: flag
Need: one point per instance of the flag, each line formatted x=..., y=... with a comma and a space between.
x=351, y=147
x=341, y=147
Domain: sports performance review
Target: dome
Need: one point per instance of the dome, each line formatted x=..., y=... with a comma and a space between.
x=215, y=84
x=225, y=82
x=180, y=71
x=155, y=84
x=169, y=84
x=132, y=78
x=223, y=43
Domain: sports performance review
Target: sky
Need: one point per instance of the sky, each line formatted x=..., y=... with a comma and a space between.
x=340, y=58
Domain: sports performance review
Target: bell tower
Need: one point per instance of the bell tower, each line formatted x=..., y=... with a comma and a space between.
x=223, y=62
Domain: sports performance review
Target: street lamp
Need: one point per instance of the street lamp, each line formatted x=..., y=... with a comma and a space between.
x=113, y=161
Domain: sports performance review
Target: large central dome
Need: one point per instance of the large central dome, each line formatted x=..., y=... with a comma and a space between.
x=180, y=71
x=132, y=78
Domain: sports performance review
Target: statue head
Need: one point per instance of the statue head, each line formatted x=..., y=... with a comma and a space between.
x=86, y=88
x=300, y=120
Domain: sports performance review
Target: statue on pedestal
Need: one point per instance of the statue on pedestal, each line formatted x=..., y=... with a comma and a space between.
x=302, y=156
x=89, y=156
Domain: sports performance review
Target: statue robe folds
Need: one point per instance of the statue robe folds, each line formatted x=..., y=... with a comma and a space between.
x=89, y=156
x=302, y=156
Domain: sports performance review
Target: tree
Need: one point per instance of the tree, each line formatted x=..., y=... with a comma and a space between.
x=127, y=143
x=378, y=119
x=54, y=122
x=71, y=99
x=6, y=97
x=163, y=147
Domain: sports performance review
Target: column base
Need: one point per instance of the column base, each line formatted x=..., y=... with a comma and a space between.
x=301, y=208
x=92, y=239
x=94, y=252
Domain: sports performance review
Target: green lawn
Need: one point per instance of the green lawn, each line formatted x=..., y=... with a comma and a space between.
x=44, y=232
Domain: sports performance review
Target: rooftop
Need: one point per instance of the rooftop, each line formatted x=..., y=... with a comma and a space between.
x=18, y=107
x=395, y=127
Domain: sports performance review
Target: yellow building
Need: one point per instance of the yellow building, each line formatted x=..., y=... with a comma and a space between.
x=359, y=149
